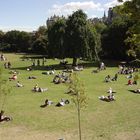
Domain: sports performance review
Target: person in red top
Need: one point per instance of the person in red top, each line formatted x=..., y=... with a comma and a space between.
x=129, y=82
x=14, y=77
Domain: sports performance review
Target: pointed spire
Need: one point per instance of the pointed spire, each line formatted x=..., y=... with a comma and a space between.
x=104, y=14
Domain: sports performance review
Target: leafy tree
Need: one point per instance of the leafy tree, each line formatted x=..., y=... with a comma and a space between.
x=78, y=97
x=81, y=38
x=19, y=41
x=94, y=42
x=39, y=41
x=113, y=38
x=1, y=36
x=23, y=41
x=42, y=30
x=76, y=35
x=132, y=9
x=1, y=39
x=100, y=27
x=56, y=33
x=40, y=45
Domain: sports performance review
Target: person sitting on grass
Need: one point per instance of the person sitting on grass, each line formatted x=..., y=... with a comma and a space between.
x=14, y=77
x=4, y=118
x=136, y=77
x=107, y=78
x=115, y=77
x=129, y=82
x=36, y=88
x=19, y=84
x=111, y=91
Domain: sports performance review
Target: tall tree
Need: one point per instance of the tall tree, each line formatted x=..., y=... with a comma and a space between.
x=94, y=42
x=39, y=46
x=81, y=38
x=113, y=38
x=1, y=36
x=56, y=33
x=132, y=9
x=76, y=35
x=1, y=39
x=40, y=41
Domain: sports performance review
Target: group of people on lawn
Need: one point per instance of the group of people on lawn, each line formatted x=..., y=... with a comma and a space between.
x=61, y=78
x=132, y=80
x=64, y=77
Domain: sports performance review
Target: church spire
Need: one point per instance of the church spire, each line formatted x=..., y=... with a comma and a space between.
x=104, y=15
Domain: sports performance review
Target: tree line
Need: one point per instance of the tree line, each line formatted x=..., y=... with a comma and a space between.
x=77, y=37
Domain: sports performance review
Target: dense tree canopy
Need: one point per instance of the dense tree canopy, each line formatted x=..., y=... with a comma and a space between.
x=76, y=35
x=132, y=9
x=56, y=33
x=80, y=37
x=39, y=41
x=18, y=41
x=113, y=37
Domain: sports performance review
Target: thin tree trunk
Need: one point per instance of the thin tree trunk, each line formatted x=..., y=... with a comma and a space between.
x=96, y=55
x=79, y=122
x=74, y=61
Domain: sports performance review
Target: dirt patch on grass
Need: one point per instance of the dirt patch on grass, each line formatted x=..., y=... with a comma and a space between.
x=127, y=136
x=20, y=133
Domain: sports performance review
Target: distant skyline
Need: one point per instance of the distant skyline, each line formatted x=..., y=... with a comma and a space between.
x=28, y=15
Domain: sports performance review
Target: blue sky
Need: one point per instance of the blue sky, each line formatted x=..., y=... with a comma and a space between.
x=28, y=15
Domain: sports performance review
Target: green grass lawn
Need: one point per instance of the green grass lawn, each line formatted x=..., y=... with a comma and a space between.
x=118, y=120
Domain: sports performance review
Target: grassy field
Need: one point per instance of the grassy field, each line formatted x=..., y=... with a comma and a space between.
x=118, y=120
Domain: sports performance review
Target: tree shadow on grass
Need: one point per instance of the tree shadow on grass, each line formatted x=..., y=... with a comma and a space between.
x=32, y=57
x=43, y=68
x=54, y=67
x=85, y=64
x=133, y=91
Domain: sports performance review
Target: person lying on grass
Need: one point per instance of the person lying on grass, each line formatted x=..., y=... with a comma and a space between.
x=137, y=90
x=110, y=97
x=4, y=118
x=32, y=77
x=29, y=69
x=107, y=98
x=19, y=84
x=39, y=89
x=47, y=103
x=63, y=102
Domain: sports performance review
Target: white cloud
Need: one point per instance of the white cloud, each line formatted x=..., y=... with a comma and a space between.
x=89, y=7
x=68, y=8
x=113, y=3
